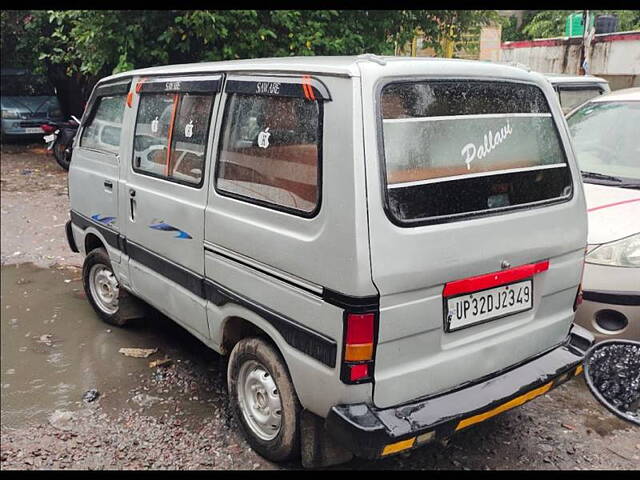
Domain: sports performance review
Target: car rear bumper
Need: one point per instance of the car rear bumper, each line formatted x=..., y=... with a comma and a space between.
x=370, y=432
x=610, y=315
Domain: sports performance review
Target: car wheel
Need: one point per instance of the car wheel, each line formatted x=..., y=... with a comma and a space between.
x=263, y=399
x=61, y=155
x=102, y=288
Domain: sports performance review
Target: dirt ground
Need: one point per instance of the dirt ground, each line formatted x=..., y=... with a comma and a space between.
x=55, y=350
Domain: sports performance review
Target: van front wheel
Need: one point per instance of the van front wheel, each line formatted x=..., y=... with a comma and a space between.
x=263, y=399
x=102, y=288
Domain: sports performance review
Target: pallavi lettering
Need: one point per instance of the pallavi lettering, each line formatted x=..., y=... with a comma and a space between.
x=470, y=151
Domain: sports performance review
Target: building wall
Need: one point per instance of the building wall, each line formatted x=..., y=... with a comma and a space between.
x=614, y=56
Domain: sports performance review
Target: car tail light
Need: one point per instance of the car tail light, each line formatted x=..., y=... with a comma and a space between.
x=360, y=333
x=46, y=128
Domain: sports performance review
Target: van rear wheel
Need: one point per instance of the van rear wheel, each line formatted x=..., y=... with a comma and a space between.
x=102, y=288
x=263, y=399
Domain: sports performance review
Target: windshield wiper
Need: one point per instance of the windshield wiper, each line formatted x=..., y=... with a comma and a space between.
x=600, y=176
x=630, y=185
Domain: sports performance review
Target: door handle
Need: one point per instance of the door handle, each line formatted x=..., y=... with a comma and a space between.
x=132, y=192
x=108, y=184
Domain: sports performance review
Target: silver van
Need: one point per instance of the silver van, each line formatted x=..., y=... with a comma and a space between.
x=389, y=249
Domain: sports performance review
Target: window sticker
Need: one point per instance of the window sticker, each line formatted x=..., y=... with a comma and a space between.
x=471, y=151
x=154, y=125
x=263, y=138
x=188, y=129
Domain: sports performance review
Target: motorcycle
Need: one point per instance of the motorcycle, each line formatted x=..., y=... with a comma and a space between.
x=59, y=138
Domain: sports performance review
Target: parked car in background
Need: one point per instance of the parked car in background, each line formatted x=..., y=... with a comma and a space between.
x=574, y=90
x=606, y=139
x=28, y=101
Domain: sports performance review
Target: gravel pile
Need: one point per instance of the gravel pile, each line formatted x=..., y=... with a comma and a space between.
x=615, y=372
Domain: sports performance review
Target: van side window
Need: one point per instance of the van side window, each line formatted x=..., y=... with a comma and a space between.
x=105, y=126
x=171, y=136
x=270, y=152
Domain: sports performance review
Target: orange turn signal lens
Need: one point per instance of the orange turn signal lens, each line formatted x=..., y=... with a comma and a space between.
x=358, y=352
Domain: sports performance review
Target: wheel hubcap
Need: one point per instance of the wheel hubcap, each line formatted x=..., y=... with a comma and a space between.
x=259, y=400
x=104, y=288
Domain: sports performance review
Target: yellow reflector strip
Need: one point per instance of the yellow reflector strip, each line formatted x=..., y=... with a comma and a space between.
x=505, y=406
x=358, y=352
x=398, y=446
x=578, y=370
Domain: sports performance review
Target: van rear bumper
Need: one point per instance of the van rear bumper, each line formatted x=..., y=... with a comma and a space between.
x=369, y=432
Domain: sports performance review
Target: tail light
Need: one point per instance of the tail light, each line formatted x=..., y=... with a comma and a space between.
x=46, y=128
x=360, y=335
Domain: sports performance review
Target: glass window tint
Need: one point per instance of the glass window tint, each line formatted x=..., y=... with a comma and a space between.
x=189, y=138
x=105, y=127
x=152, y=133
x=270, y=151
x=571, y=98
x=459, y=147
x=181, y=120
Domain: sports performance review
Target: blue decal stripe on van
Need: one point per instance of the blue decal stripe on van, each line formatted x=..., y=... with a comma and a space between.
x=103, y=220
x=170, y=228
x=111, y=236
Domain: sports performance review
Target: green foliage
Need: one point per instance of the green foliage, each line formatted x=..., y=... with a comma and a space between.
x=551, y=23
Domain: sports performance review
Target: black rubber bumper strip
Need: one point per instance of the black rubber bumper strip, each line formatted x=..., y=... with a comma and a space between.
x=70, y=240
x=365, y=430
x=612, y=297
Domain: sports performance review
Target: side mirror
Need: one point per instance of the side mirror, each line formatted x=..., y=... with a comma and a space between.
x=612, y=373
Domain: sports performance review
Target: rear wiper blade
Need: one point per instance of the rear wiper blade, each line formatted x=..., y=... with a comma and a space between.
x=600, y=176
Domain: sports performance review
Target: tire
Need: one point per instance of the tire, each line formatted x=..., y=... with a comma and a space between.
x=59, y=152
x=250, y=360
x=97, y=270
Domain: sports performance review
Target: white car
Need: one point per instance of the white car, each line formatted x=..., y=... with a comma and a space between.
x=606, y=139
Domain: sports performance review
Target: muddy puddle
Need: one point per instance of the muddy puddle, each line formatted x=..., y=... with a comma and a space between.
x=54, y=349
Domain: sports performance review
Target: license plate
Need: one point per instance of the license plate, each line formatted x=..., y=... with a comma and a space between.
x=49, y=138
x=33, y=130
x=486, y=305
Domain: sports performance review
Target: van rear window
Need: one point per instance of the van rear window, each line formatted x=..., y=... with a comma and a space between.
x=458, y=148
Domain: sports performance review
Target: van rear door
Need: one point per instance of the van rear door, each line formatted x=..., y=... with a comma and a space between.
x=477, y=231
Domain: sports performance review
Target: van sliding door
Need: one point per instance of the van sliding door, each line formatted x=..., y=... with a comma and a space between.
x=166, y=194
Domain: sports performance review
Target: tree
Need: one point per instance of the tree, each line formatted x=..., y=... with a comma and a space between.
x=450, y=26
x=77, y=47
x=551, y=23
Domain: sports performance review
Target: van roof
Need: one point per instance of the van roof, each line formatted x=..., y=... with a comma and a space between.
x=328, y=65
